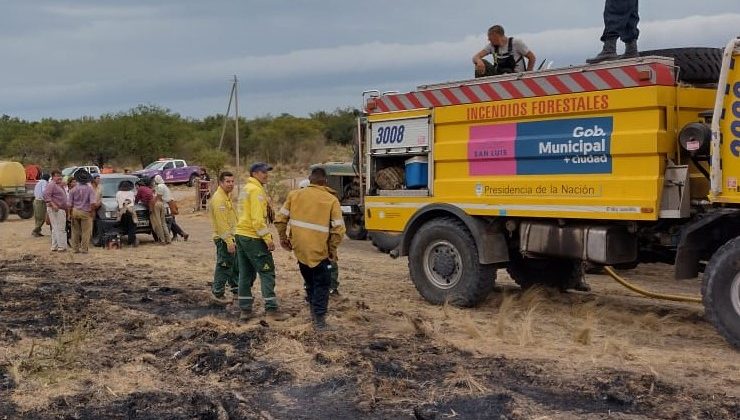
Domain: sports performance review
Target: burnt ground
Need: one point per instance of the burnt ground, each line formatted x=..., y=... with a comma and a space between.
x=103, y=340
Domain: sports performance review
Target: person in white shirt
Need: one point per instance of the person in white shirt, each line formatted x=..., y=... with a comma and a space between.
x=169, y=201
x=39, y=205
x=125, y=197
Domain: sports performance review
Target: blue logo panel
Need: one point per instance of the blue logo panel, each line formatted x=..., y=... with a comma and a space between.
x=574, y=146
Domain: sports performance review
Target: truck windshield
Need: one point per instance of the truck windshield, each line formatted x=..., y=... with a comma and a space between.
x=110, y=186
x=155, y=165
x=68, y=171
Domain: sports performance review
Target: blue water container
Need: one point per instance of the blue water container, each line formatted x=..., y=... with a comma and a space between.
x=417, y=173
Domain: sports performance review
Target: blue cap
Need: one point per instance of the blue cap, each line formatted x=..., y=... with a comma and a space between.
x=260, y=167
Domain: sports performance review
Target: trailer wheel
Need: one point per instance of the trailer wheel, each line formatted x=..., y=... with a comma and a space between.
x=549, y=272
x=355, y=227
x=697, y=65
x=26, y=210
x=444, y=266
x=721, y=291
x=4, y=210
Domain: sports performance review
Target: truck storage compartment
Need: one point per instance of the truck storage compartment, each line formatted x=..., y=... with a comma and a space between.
x=417, y=170
x=599, y=244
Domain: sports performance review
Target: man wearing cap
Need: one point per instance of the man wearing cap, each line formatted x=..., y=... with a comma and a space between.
x=334, y=287
x=316, y=230
x=223, y=219
x=254, y=244
x=169, y=201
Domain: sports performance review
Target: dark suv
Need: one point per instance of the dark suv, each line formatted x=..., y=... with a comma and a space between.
x=106, y=218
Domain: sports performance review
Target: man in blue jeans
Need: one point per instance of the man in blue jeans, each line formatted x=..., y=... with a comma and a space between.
x=620, y=21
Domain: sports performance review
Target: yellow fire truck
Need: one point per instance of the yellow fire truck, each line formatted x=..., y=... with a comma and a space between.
x=613, y=164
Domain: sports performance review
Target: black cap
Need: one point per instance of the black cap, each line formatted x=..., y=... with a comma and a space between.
x=260, y=167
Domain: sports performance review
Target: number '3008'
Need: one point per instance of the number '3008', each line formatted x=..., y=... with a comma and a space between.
x=390, y=135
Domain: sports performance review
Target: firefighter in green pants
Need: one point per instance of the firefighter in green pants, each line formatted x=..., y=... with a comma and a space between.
x=223, y=219
x=254, y=245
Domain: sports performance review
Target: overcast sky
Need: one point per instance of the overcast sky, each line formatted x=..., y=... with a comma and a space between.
x=66, y=59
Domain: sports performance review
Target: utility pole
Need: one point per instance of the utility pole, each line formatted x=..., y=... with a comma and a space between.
x=236, y=130
x=233, y=97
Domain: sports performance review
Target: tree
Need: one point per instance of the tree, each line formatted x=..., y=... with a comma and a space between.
x=96, y=141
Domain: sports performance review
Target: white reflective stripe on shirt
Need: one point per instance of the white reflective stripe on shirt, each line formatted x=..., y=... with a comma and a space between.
x=263, y=232
x=285, y=211
x=312, y=226
x=337, y=222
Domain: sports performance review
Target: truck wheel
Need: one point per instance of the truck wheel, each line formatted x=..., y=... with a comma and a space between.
x=721, y=291
x=385, y=242
x=26, y=210
x=549, y=272
x=191, y=180
x=4, y=210
x=444, y=265
x=697, y=65
x=355, y=227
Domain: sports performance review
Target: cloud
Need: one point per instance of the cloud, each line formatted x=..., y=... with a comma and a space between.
x=562, y=44
x=109, y=61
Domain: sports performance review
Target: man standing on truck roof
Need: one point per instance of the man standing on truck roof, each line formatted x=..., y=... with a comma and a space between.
x=39, y=206
x=508, y=55
x=56, y=207
x=316, y=230
x=223, y=219
x=254, y=245
x=620, y=21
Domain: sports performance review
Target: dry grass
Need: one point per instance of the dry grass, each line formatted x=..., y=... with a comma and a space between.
x=462, y=379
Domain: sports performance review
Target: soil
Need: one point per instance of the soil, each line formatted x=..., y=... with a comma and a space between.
x=132, y=333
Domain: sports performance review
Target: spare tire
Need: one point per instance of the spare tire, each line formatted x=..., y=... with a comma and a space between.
x=696, y=64
x=385, y=242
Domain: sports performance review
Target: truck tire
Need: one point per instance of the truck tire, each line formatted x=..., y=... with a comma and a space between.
x=444, y=265
x=355, y=227
x=385, y=242
x=548, y=272
x=26, y=209
x=721, y=291
x=4, y=210
x=697, y=65
x=191, y=180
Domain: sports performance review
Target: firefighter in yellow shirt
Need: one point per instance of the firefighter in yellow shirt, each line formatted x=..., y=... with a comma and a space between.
x=223, y=219
x=316, y=229
x=254, y=244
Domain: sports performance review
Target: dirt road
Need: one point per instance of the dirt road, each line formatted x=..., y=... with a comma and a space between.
x=131, y=333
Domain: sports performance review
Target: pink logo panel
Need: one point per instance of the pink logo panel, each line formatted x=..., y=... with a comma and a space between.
x=491, y=150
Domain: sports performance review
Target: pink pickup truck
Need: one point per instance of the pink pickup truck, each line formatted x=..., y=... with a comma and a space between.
x=173, y=171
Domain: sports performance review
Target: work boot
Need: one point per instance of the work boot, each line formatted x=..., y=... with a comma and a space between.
x=276, y=315
x=245, y=315
x=609, y=52
x=220, y=300
x=319, y=323
x=630, y=50
x=334, y=292
x=582, y=286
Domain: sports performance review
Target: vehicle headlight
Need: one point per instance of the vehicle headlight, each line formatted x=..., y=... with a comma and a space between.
x=111, y=214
